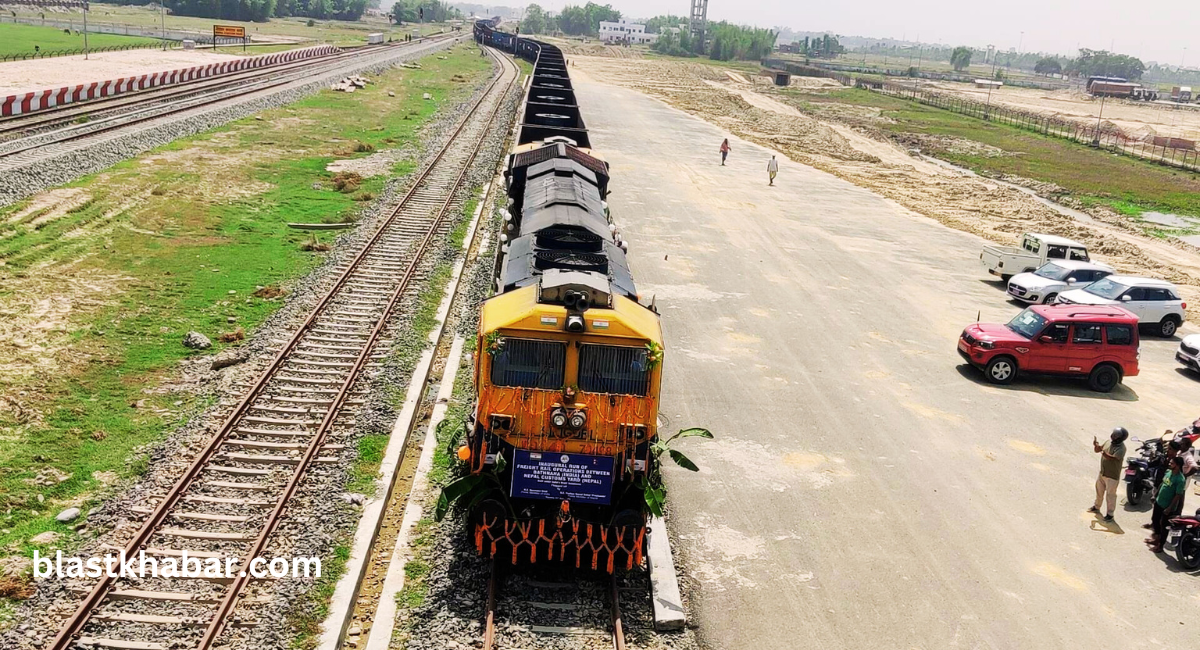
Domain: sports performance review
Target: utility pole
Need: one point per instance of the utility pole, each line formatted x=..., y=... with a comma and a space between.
x=85, y=43
x=987, y=110
x=1096, y=137
x=162, y=12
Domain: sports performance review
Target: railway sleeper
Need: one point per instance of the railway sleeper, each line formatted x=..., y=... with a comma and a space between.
x=263, y=459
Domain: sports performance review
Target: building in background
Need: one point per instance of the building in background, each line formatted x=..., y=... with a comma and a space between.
x=623, y=31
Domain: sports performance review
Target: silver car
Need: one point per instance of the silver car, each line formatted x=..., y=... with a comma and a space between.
x=1044, y=284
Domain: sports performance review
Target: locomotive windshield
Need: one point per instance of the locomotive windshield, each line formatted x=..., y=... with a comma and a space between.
x=526, y=363
x=613, y=369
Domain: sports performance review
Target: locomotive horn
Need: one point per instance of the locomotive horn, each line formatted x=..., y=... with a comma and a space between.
x=582, y=302
x=570, y=300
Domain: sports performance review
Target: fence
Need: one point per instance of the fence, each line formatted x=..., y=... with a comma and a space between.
x=911, y=72
x=1110, y=139
x=51, y=53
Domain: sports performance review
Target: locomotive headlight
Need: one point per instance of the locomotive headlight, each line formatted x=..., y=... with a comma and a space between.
x=578, y=419
x=558, y=418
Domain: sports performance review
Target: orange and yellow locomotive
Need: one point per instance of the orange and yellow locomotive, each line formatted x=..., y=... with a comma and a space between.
x=569, y=362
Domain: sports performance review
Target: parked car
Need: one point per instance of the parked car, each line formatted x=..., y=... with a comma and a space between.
x=1044, y=284
x=1155, y=302
x=1035, y=250
x=1189, y=352
x=1099, y=342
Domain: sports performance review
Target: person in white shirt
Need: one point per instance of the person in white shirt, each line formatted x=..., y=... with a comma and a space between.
x=772, y=169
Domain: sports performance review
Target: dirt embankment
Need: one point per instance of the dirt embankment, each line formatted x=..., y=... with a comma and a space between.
x=863, y=156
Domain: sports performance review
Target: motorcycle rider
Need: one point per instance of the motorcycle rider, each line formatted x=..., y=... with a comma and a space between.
x=1112, y=457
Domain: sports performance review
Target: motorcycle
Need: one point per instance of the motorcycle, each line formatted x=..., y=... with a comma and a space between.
x=1184, y=535
x=1141, y=473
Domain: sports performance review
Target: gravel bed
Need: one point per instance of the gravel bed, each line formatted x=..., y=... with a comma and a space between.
x=19, y=182
x=321, y=514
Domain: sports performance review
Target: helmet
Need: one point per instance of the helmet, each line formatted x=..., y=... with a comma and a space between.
x=1119, y=434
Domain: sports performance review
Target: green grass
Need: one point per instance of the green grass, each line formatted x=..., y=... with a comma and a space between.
x=329, y=31
x=177, y=254
x=1127, y=184
x=21, y=39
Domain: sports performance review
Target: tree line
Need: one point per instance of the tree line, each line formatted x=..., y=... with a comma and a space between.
x=724, y=41
x=260, y=11
x=573, y=20
x=428, y=11
x=264, y=10
x=1088, y=63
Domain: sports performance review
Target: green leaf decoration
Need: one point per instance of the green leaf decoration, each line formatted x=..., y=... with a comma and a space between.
x=683, y=461
x=693, y=432
x=654, y=500
x=455, y=491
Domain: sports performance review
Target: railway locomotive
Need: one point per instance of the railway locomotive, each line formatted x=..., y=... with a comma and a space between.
x=568, y=362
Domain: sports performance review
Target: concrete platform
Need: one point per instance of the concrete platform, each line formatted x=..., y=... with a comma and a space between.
x=864, y=490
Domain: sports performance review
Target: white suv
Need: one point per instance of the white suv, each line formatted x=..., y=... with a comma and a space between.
x=1156, y=303
x=1054, y=277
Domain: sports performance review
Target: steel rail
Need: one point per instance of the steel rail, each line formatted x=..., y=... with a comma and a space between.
x=67, y=112
x=221, y=617
x=63, y=112
x=494, y=582
x=73, y=626
x=617, y=625
x=257, y=86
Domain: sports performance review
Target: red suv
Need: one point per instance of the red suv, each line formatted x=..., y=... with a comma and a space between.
x=1094, y=341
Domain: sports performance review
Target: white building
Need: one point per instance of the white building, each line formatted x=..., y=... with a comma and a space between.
x=623, y=31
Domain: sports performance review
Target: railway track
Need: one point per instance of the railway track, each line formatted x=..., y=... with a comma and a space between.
x=564, y=605
x=17, y=126
x=44, y=137
x=293, y=418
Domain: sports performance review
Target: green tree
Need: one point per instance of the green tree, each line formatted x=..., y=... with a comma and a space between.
x=729, y=42
x=960, y=58
x=585, y=20
x=674, y=43
x=656, y=24
x=1099, y=62
x=434, y=11
x=249, y=10
x=1047, y=66
x=534, y=21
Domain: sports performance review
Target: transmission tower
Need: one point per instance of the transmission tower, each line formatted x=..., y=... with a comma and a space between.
x=699, y=19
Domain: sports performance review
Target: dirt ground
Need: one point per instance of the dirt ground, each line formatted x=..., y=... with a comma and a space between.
x=1138, y=119
x=960, y=200
x=40, y=74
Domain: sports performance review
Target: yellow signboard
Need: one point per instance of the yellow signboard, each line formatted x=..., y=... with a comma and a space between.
x=229, y=31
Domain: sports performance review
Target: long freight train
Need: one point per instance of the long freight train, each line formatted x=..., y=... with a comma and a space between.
x=568, y=366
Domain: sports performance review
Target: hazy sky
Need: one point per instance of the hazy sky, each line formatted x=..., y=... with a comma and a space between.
x=1155, y=30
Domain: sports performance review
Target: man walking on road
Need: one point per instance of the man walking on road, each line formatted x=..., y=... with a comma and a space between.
x=1112, y=456
x=724, y=151
x=772, y=169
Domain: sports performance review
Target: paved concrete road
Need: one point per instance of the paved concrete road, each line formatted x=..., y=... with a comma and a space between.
x=864, y=490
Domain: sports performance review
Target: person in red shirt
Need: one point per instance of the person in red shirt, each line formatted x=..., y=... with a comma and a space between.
x=724, y=151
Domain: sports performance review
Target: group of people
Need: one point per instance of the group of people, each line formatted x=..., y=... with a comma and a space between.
x=1170, y=485
x=772, y=164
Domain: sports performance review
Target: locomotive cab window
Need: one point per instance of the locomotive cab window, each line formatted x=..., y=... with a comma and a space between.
x=525, y=363
x=613, y=369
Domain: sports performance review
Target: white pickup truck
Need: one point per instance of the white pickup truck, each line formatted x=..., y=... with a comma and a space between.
x=1034, y=251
